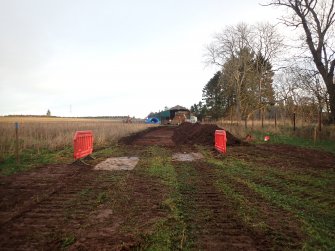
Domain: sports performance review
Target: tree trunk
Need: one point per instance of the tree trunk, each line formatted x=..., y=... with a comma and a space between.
x=328, y=78
x=331, y=91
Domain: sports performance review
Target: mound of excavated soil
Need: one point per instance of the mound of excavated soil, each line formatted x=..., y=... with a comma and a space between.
x=202, y=134
x=161, y=135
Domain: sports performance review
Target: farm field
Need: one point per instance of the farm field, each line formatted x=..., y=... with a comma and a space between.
x=256, y=197
x=44, y=140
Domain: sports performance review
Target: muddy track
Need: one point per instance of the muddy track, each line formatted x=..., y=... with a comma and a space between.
x=75, y=207
x=27, y=190
x=135, y=209
x=161, y=136
x=48, y=214
x=282, y=229
x=78, y=206
x=211, y=219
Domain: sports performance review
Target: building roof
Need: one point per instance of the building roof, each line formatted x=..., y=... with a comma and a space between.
x=178, y=107
x=163, y=114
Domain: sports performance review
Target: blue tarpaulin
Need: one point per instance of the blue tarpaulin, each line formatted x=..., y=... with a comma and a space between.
x=152, y=121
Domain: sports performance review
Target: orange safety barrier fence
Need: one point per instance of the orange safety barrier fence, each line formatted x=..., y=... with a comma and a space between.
x=82, y=144
x=221, y=141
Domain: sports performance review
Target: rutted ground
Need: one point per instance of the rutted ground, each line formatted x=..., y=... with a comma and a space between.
x=75, y=205
x=256, y=198
x=211, y=219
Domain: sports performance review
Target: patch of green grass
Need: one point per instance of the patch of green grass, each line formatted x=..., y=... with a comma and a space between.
x=85, y=192
x=325, y=145
x=68, y=241
x=160, y=239
x=319, y=221
x=308, y=196
x=169, y=233
x=102, y=197
x=113, y=150
x=297, y=183
x=250, y=215
x=158, y=164
x=30, y=159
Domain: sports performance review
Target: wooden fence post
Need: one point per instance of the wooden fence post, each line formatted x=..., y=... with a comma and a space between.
x=252, y=121
x=231, y=118
x=262, y=118
x=17, y=142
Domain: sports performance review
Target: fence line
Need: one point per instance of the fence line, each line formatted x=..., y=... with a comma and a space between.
x=295, y=124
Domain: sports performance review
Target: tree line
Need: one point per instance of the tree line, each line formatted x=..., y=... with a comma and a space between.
x=258, y=71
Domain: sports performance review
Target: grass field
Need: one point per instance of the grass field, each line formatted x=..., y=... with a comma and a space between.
x=49, y=140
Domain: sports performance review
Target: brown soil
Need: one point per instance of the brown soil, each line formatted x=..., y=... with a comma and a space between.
x=161, y=136
x=46, y=208
x=285, y=156
x=213, y=224
x=282, y=224
x=201, y=134
x=184, y=134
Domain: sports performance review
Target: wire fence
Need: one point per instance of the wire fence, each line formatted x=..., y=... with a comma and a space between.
x=295, y=123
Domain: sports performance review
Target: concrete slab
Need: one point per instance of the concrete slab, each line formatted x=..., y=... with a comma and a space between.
x=120, y=163
x=187, y=156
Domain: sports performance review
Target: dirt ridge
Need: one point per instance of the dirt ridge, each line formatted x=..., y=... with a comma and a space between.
x=212, y=221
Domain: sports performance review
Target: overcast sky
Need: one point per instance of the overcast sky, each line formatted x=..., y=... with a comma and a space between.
x=106, y=57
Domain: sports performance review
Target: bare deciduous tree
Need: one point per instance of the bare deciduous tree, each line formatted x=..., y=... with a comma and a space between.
x=228, y=44
x=242, y=46
x=266, y=41
x=317, y=18
x=309, y=80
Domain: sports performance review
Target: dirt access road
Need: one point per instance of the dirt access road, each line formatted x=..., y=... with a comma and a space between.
x=162, y=204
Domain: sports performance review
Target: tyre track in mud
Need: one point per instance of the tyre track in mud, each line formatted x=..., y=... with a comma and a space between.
x=78, y=207
x=134, y=215
x=282, y=228
x=160, y=136
x=286, y=157
x=210, y=218
x=28, y=189
x=52, y=214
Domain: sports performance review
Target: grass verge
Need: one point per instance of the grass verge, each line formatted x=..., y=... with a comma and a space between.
x=277, y=138
x=29, y=159
x=306, y=197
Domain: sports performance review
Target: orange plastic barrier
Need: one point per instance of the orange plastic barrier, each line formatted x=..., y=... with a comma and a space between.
x=82, y=144
x=221, y=141
x=266, y=138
